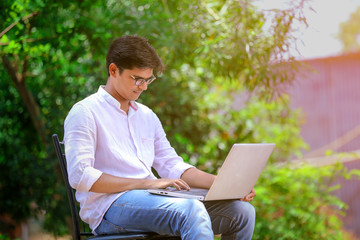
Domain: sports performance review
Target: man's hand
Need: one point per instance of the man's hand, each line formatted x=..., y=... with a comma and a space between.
x=167, y=182
x=249, y=197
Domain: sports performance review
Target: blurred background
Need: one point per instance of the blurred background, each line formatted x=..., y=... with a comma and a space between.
x=286, y=72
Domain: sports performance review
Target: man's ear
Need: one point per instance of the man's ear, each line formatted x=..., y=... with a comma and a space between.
x=112, y=69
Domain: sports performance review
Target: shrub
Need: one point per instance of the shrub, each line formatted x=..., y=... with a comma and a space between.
x=297, y=203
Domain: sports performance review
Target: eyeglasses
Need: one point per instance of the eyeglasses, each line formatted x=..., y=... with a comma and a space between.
x=139, y=81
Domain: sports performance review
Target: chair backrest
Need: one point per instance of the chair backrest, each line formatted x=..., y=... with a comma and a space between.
x=70, y=192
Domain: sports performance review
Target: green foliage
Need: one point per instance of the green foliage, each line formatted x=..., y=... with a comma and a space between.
x=57, y=75
x=253, y=121
x=4, y=237
x=350, y=31
x=296, y=203
x=18, y=159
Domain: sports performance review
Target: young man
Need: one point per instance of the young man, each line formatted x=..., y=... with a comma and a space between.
x=111, y=144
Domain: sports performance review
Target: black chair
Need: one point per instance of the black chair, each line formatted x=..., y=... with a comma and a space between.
x=77, y=234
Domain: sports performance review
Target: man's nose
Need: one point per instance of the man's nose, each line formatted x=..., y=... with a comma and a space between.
x=143, y=86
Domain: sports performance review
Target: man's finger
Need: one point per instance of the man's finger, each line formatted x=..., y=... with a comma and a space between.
x=180, y=184
x=184, y=184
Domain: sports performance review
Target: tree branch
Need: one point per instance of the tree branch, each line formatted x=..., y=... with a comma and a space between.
x=30, y=40
x=28, y=99
x=16, y=22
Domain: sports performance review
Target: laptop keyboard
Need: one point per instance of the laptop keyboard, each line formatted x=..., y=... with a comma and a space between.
x=192, y=191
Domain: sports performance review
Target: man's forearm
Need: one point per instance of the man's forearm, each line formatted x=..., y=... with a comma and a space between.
x=111, y=184
x=197, y=178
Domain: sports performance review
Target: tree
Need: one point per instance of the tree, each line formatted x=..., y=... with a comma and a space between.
x=39, y=45
x=349, y=33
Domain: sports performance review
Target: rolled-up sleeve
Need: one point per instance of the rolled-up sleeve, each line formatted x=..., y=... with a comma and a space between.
x=167, y=162
x=80, y=145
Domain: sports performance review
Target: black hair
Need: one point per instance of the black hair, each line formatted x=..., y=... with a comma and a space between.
x=130, y=52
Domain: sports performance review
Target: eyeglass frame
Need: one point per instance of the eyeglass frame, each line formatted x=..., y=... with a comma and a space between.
x=140, y=81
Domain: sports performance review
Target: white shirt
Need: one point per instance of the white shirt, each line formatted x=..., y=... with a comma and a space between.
x=101, y=138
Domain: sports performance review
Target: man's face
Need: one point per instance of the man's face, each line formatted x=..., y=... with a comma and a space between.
x=124, y=83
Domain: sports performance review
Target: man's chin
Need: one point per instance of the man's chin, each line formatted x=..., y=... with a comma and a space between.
x=136, y=95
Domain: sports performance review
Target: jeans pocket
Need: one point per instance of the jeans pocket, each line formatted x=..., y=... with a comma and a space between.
x=107, y=227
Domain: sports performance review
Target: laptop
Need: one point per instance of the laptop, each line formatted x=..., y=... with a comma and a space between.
x=236, y=178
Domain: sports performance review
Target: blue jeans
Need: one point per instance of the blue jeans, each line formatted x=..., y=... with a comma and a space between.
x=140, y=211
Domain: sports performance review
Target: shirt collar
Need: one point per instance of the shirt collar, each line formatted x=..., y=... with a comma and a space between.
x=110, y=99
